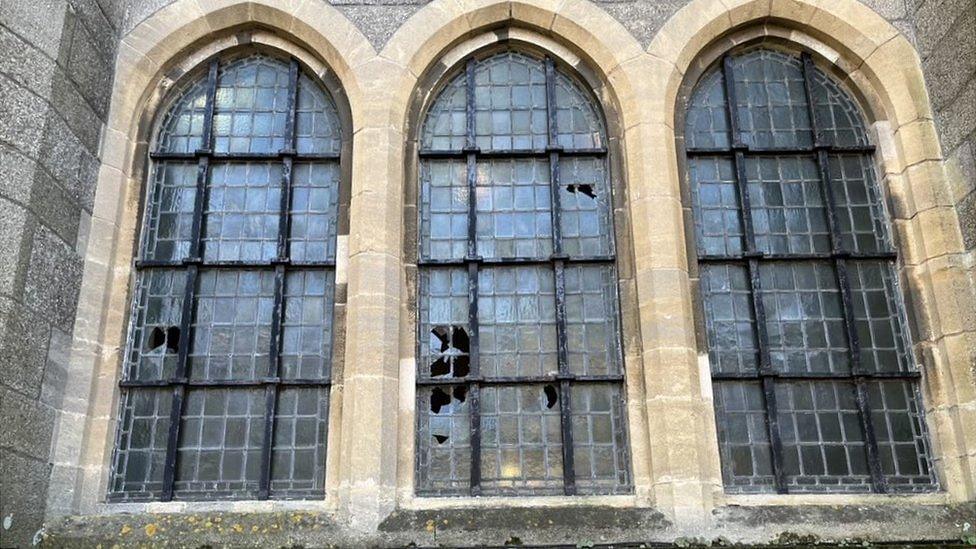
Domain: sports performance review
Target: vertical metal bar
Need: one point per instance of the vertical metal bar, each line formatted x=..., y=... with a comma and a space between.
x=559, y=273
x=766, y=372
x=278, y=311
x=565, y=376
x=878, y=482
x=474, y=369
x=192, y=273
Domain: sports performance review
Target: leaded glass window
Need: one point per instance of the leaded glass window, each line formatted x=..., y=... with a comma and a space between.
x=520, y=384
x=225, y=388
x=815, y=385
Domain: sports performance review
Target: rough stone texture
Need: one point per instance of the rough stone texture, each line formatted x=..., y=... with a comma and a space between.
x=56, y=63
x=946, y=40
x=787, y=526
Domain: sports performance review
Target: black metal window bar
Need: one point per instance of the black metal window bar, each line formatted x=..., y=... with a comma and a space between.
x=815, y=385
x=479, y=414
x=213, y=412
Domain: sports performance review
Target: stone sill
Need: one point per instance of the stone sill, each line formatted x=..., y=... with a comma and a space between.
x=897, y=520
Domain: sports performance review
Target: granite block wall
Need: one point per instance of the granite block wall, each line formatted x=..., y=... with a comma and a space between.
x=56, y=60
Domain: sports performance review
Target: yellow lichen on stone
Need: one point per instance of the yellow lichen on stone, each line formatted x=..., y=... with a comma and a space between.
x=151, y=529
x=125, y=529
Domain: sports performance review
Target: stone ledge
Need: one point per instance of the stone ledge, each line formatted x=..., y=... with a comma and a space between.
x=906, y=525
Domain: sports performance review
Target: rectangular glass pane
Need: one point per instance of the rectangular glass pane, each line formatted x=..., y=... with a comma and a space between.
x=306, y=329
x=804, y=317
x=718, y=223
x=743, y=436
x=140, y=450
x=298, y=454
x=521, y=441
x=250, y=108
x=600, y=457
x=242, y=217
x=592, y=332
x=219, y=454
x=578, y=123
x=860, y=214
x=154, y=338
x=788, y=213
x=443, y=209
x=730, y=322
x=443, y=440
x=510, y=103
x=902, y=441
x=585, y=205
x=514, y=208
x=317, y=126
x=879, y=317
x=823, y=442
x=445, y=128
x=707, y=122
x=445, y=336
x=169, y=217
x=517, y=321
x=232, y=325
x=771, y=100
x=314, y=205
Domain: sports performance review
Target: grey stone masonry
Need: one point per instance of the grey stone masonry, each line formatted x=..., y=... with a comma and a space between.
x=56, y=70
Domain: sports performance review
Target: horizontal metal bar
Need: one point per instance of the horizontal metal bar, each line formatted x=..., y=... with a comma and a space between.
x=241, y=156
x=154, y=264
x=797, y=257
x=510, y=153
x=516, y=380
x=828, y=376
x=501, y=261
x=135, y=383
x=812, y=150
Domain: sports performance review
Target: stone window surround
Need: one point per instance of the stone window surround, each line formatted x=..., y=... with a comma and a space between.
x=675, y=468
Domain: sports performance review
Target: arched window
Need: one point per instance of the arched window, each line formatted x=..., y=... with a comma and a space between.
x=519, y=355
x=814, y=380
x=227, y=373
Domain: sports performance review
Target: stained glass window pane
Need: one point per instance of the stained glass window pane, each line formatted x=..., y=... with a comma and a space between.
x=718, y=223
x=521, y=444
x=743, y=436
x=729, y=319
x=771, y=100
x=823, y=441
x=542, y=270
x=599, y=438
x=443, y=432
x=251, y=106
x=219, y=453
x=137, y=469
x=788, y=211
x=510, y=103
x=830, y=325
x=169, y=216
x=201, y=327
x=804, y=317
x=585, y=202
x=514, y=209
x=444, y=209
x=517, y=321
x=314, y=201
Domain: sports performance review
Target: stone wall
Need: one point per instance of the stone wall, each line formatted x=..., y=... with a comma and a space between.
x=56, y=63
x=56, y=73
x=945, y=33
